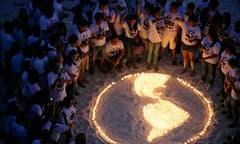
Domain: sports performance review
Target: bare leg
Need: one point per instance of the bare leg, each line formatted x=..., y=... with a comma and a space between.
x=174, y=57
x=192, y=62
x=162, y=53
x=185, y=60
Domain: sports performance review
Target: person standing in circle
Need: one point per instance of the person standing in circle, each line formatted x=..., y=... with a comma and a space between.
x=210, y=49
x=191, y=35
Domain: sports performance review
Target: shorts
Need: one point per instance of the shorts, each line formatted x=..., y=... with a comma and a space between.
x=169, y=37
x=97, y=51
x=84, y=63
x=188, y=48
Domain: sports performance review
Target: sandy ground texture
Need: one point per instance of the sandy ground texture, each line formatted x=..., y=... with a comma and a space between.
x=216, y=133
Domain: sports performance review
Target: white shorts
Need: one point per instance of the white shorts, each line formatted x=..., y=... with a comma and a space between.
x=169, y=37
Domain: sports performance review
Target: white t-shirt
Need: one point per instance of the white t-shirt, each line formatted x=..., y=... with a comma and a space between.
x=35, y=110
x=155, y=32
x=40, y=64
x=105, y=13
x=51, y=51
x=15, y=129
x=68, y=49
x=225, y=68
x=98, y=31
x=116, y=24
x=73, y=68
x=19, y=130
x=232, y=73
x=182, y=10
x=144, y=25
x=224, y=33
x=170, y=24
x=45, y=23
x=16, y=62
x=69, y=112
x=210, y=50
x=32, y=39
x=112, y=50
x=57, y=8
x=7, y=41
x=59, y=93
x=19, y=36
x=83, y=37
x=201, y=6
x=29, y=90
x=130, y=33
x=189, y=33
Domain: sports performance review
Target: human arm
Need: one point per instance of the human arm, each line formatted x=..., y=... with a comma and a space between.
x=122, y=53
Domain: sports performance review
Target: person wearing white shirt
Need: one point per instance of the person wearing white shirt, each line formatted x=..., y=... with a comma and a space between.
x=27, y=66
x=211, y=17
x=7, y=38
x=68, y=117
x=31, y=86
x=57, y=5
x=34, y=37
x=117, y=17
x=40, y=64
x=144, y=23
x=41, y=61
x=225, y=28
x=102, y=7
x=8, y=41
x=171, y=31
x=51, y=47
x=113, y=54
x=66, y=121
x=131, y=28
x=223, y=65
x=210, y=49
x=72, y=45
x=99, y=30
x=189, y=12
x=191, y=35
x=202, y=5
x=57, y=80
x=16, y=63
x=79, y=13
x=84, y=35
x=155, y=35
x=232, y=85
x=72, y=65
x=46, y=21
x=34, y=12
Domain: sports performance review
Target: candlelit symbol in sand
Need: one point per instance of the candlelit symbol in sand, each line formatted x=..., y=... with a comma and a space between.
x=162, y=115
x=116, y=120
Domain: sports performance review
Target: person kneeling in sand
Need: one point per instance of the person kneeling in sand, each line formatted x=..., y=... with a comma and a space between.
x=113, y=55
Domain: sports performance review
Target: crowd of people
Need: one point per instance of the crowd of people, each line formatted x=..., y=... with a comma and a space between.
x=46, y=59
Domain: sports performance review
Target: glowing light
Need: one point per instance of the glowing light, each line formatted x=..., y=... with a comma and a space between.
x=208, y=103
x=147, y=85
x=162, y=115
